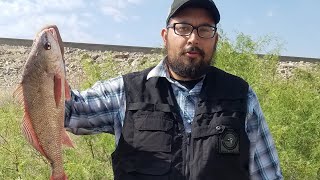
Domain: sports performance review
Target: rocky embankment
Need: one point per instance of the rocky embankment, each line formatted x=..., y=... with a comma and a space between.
x=13, y=58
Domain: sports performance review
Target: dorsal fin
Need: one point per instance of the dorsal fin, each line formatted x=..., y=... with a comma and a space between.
x=66, y=140
x=18, y=94
x=29, y=133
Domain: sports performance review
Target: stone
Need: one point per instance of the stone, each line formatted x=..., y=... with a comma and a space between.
x=121, y=56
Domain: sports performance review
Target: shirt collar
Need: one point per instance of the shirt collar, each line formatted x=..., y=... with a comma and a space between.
x=159, y=71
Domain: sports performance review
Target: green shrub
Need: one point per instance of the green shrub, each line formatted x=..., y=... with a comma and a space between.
x=291, y=106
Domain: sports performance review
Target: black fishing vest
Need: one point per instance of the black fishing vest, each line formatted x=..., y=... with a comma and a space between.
x=154, y=145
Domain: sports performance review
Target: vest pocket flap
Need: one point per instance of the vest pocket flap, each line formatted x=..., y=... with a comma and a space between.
x=154, y=124
x=150, y=107
x=230, y=122
x=226, y=106
x=209, y=130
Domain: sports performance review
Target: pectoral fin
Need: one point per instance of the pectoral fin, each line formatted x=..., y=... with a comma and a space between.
x=57, y=89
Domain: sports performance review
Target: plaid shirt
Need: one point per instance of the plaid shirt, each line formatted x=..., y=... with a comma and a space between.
x=102, y=109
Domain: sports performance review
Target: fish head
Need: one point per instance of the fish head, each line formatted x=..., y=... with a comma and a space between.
x=48, y=49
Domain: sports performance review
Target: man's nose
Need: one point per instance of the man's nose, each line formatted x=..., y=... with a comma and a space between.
x=193, y=37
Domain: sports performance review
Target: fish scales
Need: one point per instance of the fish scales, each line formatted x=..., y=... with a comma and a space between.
x=44, y=89
x=44, y=113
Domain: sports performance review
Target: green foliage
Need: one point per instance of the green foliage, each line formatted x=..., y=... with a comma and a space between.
x=90, y=159
x=291, y=107
x=13, y=148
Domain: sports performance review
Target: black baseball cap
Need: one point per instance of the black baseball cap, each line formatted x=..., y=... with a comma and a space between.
x=206, y=4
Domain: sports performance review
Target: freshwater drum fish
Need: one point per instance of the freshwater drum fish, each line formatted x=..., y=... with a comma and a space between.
x=42, y=92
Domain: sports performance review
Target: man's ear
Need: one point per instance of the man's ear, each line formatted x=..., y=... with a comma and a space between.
x=164, y=35
x=216, y=38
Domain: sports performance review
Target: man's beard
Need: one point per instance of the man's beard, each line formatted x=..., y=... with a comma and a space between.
x=194, y=68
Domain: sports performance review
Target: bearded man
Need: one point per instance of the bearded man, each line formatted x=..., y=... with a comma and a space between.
x=182, y=119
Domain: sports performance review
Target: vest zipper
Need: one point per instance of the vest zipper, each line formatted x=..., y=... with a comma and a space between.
x=187, y=168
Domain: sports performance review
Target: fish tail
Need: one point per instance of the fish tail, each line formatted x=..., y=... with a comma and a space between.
x=62, y=176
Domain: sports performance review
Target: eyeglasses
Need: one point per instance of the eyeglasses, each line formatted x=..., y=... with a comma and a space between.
x=185, y=29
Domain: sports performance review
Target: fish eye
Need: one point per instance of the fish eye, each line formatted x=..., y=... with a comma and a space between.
x=47, y=46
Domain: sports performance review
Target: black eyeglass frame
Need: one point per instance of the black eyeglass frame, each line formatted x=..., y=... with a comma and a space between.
x=214, y=28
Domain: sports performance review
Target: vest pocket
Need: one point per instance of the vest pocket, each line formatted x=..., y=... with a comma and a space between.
x=142, y=166
x=146, y=164
x=153, y=132
x=152, y=138
x=219, y=138
x=152, y=141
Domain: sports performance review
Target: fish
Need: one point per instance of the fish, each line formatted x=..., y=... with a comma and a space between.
x=42, y=92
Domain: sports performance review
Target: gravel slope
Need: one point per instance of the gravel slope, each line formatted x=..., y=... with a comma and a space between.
x=12, y=59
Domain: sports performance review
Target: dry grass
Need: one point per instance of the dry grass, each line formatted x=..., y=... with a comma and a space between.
x=6, y=95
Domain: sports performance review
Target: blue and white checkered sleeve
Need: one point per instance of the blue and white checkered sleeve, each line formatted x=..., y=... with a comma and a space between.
x=97, y=109
x=264, y=161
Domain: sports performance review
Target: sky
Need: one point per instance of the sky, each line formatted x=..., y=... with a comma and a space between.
x=294, y=24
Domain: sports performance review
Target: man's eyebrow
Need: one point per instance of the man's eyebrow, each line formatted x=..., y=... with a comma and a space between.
x=184, y=22
x=207, y=24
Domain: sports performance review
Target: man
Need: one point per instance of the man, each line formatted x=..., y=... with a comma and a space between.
x=182, y=119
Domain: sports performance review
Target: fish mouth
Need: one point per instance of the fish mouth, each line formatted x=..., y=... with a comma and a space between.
x=47, y=44
x=53, y=32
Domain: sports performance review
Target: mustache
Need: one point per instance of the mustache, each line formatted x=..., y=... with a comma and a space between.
x=194, y=49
